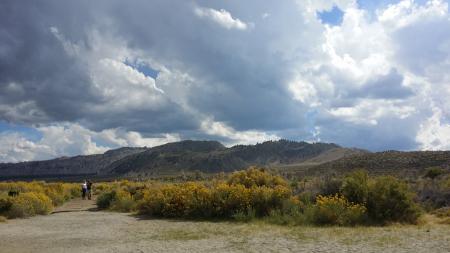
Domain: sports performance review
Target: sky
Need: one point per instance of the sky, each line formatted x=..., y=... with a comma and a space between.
x=82, y=77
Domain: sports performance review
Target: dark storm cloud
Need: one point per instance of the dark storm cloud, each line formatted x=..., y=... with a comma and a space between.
x=387, y=86
x=34, y=66
x=241, y=81
x=388, y=133
x=37, y=71
x=427, y=43
x=81, y=61
x=241, y=77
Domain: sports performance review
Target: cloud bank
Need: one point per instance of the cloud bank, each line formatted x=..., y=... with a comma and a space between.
x=80, y=78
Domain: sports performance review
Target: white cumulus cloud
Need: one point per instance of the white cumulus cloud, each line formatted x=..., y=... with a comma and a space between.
x=221, y=17
x=72, y=139
x=221, y=129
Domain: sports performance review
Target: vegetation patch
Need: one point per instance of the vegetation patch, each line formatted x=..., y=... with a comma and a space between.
x=25, y=199
x=255, y=193
x=244, y=196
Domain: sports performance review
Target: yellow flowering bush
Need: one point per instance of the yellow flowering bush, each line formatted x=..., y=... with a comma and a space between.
x=34, y=186
x=256, y=177
x=32, y=198
x=177, y=200
x=120, y=195
x=337, y=210
x=222, y=200
x=102, y=187
x=29, y=204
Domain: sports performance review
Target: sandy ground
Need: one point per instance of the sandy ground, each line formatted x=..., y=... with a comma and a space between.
x=78, y=227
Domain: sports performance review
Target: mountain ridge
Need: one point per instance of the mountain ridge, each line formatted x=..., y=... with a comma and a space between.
x=391, y=162
x=294, y=157
x=206, y=156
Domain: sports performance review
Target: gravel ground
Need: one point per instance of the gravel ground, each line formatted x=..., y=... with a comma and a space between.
x=77, y=227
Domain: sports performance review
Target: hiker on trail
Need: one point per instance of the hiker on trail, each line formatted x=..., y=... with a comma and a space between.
x=84, y=190
x=89, y=189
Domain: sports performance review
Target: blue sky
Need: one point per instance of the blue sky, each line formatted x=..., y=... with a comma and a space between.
x=85, y=77
x=331, y=17
x=373, y=5
x=26, y=131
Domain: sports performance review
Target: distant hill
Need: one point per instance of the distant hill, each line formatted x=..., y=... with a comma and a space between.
x=206, y=156
x=66, y=166
x=301, y=158
x=211, y=156
x=384, y=163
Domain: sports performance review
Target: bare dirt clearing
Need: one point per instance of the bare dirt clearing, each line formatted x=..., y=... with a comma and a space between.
x=77, y=227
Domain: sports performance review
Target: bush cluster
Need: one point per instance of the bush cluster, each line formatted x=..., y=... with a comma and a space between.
x=256, y=177
x=221, y=200
x=337, y=210
x=389, y=200
x=434, y=193
x=244, y=195
x=24, y=199
x=29, y=204
x=386, y=198
x=117, y=200
x=354, y=199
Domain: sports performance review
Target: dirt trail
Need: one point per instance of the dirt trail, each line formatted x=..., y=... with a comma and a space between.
x=77, y=205
x=77, y=227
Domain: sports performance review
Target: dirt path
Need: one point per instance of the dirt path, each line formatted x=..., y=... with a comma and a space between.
x=77, y=205
x=76, y=227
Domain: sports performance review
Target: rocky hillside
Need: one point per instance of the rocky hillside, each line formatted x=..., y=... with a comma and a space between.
x=301, y=158
x=211, y=156
x=389, y=162
x=66, y=166
x=206, y=156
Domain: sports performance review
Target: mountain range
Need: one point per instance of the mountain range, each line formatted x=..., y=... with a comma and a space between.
x=211, y=157
x=205, y=156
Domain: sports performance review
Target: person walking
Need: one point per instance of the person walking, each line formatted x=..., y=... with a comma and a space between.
x=89, y=189
x=84, y=190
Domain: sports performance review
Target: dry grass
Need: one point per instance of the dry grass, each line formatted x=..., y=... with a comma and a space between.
x=433, y=219
x=445, y=221
x=2, y=219
x=118, y=232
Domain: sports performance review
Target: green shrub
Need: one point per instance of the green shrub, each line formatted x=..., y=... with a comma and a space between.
x=432, y=194
x=123, y=202
x=434, y=172
x=5, y=203
x=245, y=215
x=292, y=212
x=446, y=183
x=306, y=198
x=330, y=186
x=105, y=199
x=355, y=187
x=390, y=200
x=279, y=218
